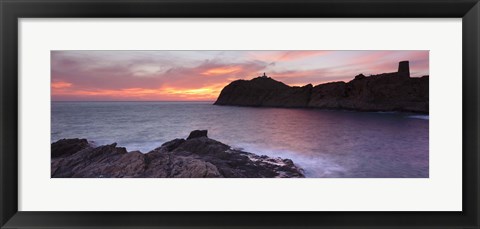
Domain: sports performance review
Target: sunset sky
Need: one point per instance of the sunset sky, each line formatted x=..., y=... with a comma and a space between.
x=201, y=75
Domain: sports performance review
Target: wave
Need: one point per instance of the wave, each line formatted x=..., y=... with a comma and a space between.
x=313, y=167
x=424, y=117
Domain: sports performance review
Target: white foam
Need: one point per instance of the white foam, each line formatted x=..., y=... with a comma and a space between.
x=318, y=167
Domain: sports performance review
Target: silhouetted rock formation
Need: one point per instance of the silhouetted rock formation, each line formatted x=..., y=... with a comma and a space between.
x=196, y=157
x=197, y=134
x=394, y=91
x=263, y=91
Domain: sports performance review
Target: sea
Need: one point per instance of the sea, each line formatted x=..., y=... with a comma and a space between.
x=325, y=143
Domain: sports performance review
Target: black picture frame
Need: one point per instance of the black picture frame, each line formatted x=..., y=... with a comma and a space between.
x=12, y=10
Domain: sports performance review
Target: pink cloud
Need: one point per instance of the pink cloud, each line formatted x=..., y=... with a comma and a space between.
x=87, y=75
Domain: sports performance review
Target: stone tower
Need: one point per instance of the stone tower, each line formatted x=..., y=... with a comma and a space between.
x=404, y=68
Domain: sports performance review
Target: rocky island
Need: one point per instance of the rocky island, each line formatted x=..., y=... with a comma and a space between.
x=395, y=91
x=195, y=157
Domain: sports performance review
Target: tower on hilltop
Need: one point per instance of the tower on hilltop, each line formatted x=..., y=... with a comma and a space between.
x=404, y=68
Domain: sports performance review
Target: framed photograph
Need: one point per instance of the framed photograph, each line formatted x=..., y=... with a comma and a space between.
x=227, y=114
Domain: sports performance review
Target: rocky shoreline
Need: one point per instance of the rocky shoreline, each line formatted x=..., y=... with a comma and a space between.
x=395, y=91
x=195, y=157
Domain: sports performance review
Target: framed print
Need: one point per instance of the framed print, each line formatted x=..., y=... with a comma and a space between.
x=318, y=114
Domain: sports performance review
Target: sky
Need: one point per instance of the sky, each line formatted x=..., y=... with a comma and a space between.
x=201, y=75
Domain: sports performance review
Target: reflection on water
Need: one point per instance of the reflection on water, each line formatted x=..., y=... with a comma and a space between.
x=324, y=143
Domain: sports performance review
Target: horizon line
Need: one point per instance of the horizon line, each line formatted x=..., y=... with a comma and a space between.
x=132, y=101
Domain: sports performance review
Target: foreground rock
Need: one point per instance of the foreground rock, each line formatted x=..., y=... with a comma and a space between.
x=394, y=91
x=196, y=157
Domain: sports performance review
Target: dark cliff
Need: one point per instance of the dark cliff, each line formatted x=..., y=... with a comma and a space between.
x=395, y=91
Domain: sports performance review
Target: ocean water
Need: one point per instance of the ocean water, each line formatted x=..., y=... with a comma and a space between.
x=325, y=143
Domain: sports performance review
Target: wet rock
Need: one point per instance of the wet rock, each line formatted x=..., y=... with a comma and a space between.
x=67, y=147
x=196, y=157
x=173, y=144
x=191, y=167
x=104, y=161
x=197, y=134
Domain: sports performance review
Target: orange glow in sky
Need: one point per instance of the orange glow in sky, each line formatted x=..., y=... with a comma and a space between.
x=200, y=94
x=57, y=85
x=222, y=70
x=201, y=75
